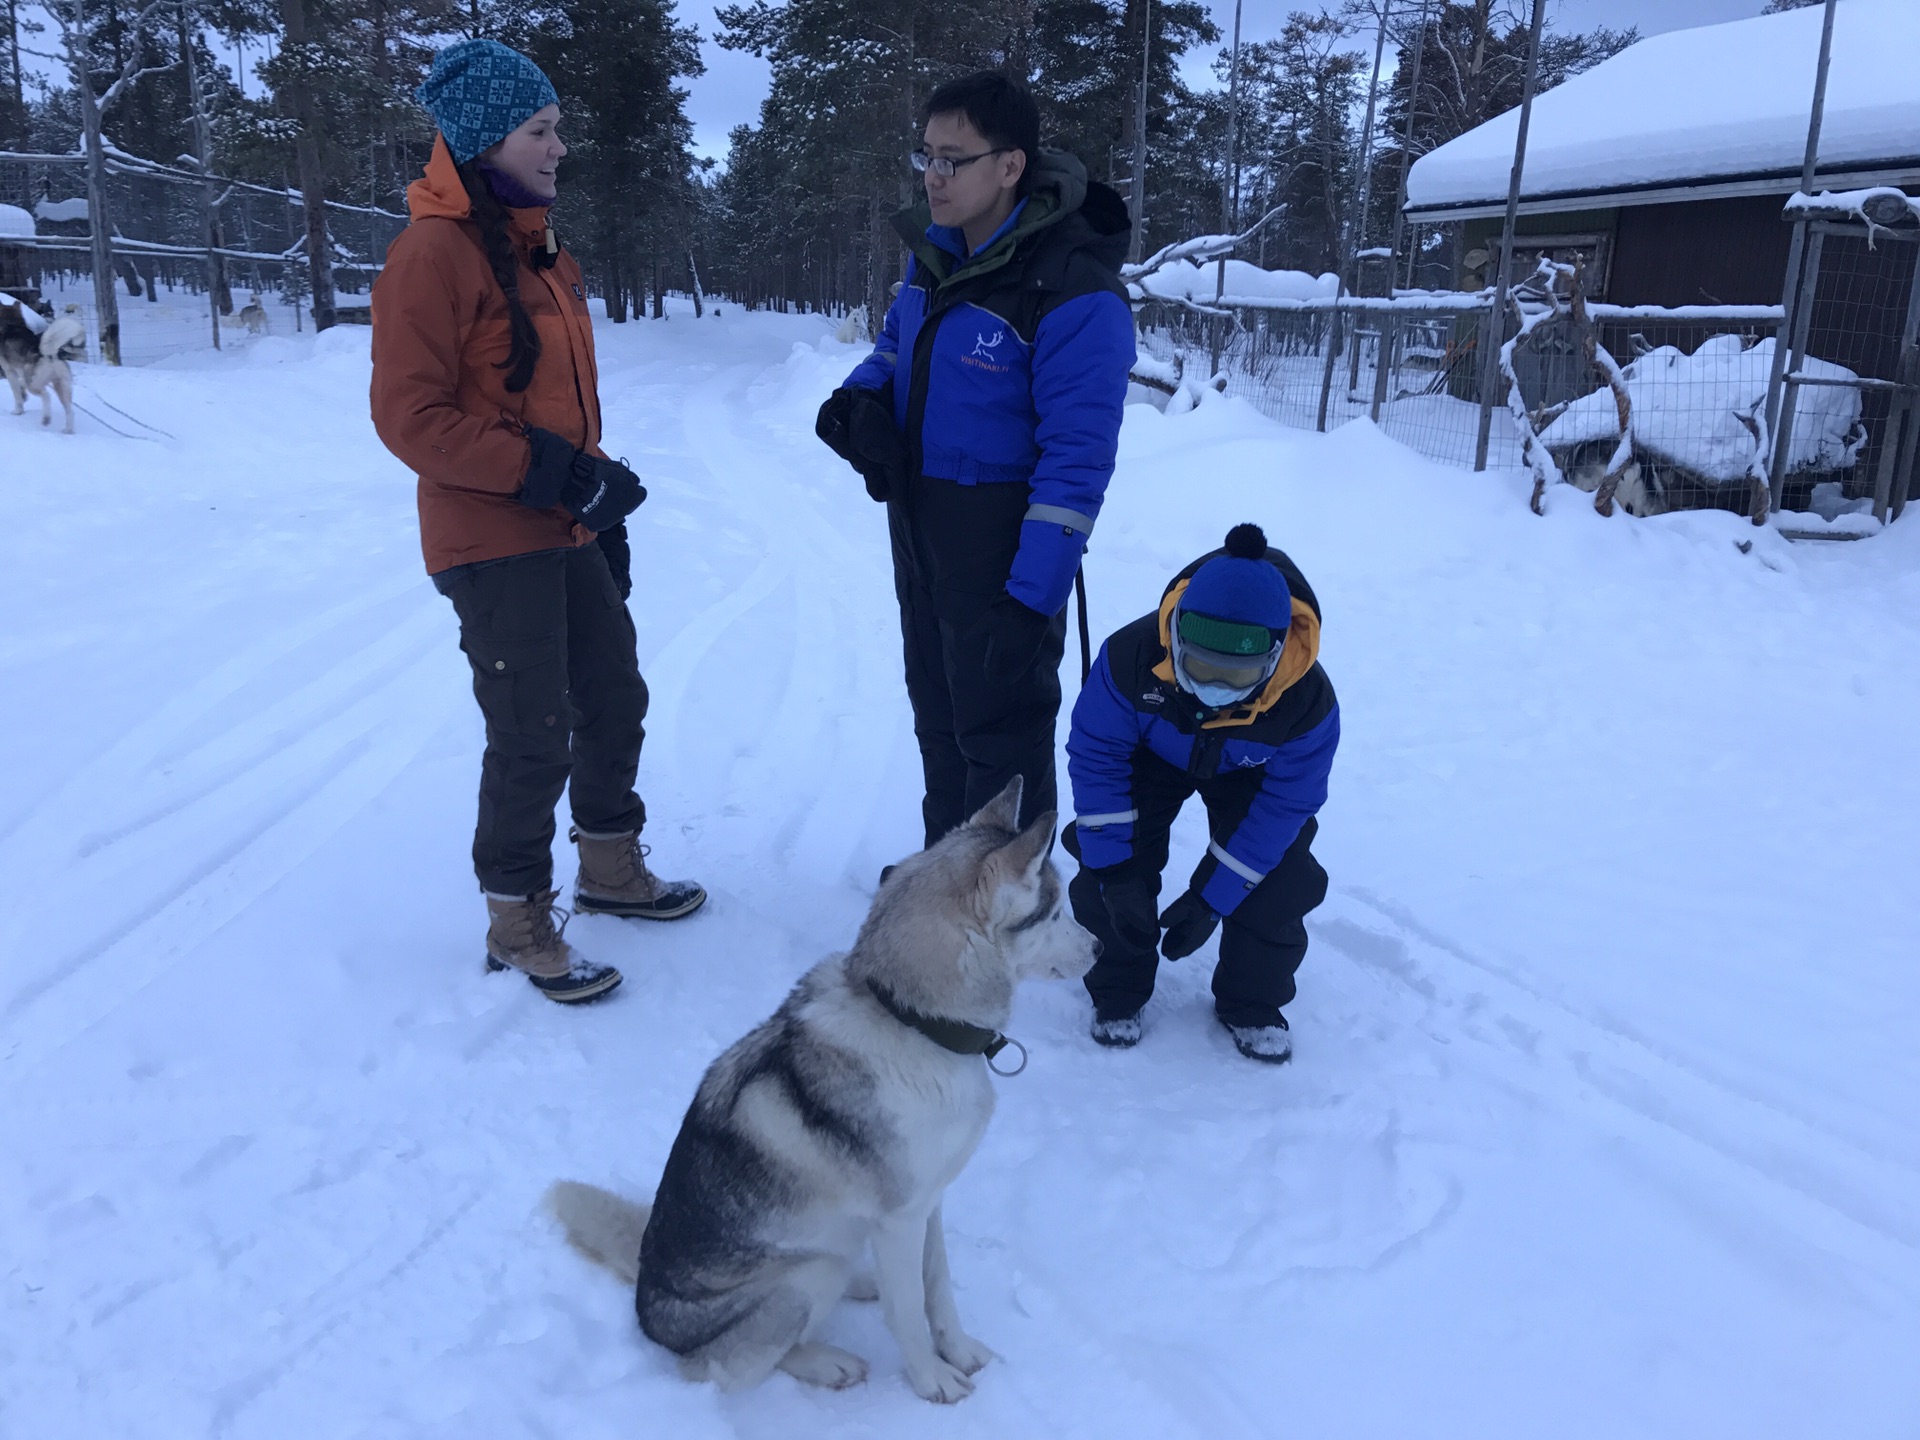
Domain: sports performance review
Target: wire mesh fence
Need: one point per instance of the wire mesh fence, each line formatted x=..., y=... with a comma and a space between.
x=1857, y=321
x=1316, y=364
x=1696, y=377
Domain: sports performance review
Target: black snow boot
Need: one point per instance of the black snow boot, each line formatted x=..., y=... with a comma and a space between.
x=1116, y=1032
x=1269, y=1044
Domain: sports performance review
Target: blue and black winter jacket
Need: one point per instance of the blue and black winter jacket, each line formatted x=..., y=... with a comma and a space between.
x=1132, y=714
x=1016, y=361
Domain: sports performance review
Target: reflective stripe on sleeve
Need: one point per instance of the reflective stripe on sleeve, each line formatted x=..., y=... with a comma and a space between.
x=1246, y=872
x=1061, y=515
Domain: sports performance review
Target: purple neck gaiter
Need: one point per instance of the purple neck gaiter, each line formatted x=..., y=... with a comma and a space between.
x=510, y=192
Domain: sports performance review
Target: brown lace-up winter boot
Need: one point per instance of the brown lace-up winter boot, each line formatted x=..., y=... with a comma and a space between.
x=614, y=880
x=521, y=935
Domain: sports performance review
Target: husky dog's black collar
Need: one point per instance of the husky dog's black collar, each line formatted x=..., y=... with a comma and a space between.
x=955, y=1035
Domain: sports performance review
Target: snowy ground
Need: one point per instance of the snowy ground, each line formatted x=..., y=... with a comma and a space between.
x=1605, y=1118
x=179, y=322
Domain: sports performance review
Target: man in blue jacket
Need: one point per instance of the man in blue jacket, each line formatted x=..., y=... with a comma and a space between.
x=987, y=418
x=1218, y=692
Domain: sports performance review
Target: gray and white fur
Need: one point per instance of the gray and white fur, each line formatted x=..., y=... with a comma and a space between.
x=835, y=1127
x=40, y=364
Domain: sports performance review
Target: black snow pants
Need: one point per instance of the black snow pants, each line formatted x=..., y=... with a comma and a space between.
x=554, y=669
x=953, y=548
x=1261, y=943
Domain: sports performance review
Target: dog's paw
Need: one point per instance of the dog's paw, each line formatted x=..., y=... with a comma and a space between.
x=939, y=1382
x=863, y=1287
x=827, y=1366
x=963, y=1352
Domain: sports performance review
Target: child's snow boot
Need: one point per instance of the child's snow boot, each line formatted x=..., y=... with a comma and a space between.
x=614, y=880
x=521, y=936
x=1269, y=1044
x=1116, y=1032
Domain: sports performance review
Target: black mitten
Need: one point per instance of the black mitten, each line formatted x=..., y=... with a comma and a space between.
x=598, y=493
x=879, y=449
x=601, y=493
x=1188, y=922
x=831, y=423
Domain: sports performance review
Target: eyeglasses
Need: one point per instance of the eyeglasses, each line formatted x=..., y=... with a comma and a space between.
x=945, y=165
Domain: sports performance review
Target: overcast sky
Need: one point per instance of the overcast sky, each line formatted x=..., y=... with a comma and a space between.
x=729, y=93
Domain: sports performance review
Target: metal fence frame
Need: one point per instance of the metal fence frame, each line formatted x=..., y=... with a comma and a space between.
x=1808, y=269
x=1409, y=330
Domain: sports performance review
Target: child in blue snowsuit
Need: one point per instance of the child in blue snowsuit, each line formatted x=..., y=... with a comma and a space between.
x=1219, y=693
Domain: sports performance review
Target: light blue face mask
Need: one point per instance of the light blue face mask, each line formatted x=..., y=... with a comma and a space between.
x=1214, y=697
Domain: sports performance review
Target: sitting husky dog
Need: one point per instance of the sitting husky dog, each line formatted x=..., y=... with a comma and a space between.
x=839, y=1123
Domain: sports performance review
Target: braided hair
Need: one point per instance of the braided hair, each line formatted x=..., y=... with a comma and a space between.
x=490, y=215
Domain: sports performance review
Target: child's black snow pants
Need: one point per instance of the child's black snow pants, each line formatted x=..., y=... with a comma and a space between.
x=554, y=669
x=1261, y=943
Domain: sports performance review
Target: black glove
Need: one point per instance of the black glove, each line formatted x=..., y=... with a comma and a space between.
x=1014, y=636
x=613, y=544
x=598, y=493
x=857, y=425
x=1129, y=902
x=832, y=426
x=1188, y=922
x=879, y=449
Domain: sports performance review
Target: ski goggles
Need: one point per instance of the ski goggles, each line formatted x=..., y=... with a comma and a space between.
x=1229, y=672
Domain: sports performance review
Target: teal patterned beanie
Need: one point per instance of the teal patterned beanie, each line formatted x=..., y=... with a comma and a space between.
x=480, y=92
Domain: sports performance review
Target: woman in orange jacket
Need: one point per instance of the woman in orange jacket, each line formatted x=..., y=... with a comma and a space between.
x=484, y=383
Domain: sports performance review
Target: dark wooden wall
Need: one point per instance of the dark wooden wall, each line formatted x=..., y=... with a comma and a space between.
x=1707, y=252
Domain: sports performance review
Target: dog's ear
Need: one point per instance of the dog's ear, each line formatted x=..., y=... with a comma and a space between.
x=1028, y=851
x=1014, y=868
x=1003, y=811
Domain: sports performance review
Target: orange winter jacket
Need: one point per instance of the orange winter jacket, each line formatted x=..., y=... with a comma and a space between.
x=440, y=401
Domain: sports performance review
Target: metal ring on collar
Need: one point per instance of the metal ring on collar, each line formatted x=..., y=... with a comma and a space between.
x=1009, y=1074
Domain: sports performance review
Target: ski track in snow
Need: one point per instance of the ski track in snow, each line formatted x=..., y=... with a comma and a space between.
x=276, y=1143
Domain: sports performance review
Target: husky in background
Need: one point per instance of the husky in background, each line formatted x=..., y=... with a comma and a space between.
x=19, y=348
x=838, y=1124
x=41, y=364
x=251, y=317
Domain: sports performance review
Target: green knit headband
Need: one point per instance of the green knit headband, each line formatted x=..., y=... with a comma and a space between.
x=1224, y=637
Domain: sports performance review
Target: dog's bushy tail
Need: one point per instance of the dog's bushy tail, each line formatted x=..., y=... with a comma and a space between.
x=64, y=339
x=601, y=1225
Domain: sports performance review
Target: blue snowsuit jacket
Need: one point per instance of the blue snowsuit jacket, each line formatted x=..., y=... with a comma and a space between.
x=1131, y=715
x=1016, y=361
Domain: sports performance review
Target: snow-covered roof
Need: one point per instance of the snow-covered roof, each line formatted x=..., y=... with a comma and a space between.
x=15, y=222
x=1719, y=110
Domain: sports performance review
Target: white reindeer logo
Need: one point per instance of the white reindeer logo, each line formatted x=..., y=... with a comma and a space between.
x=983, y=348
